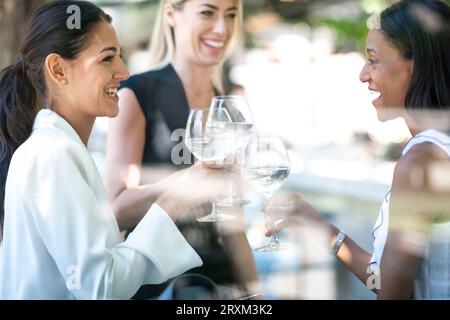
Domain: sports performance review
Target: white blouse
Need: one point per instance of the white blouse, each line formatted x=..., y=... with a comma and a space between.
x=61, y=239
x=433, y=277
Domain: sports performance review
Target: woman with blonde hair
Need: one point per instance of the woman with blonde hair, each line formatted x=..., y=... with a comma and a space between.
x=191, y=41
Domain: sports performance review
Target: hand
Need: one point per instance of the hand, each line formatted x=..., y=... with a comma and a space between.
x=191, y=187
x=292, y=210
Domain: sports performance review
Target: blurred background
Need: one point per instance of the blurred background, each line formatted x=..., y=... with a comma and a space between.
x=299, y=69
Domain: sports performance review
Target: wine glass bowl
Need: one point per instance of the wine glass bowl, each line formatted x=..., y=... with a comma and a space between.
x=209, y=138
x=265, y=168
x=241, y=125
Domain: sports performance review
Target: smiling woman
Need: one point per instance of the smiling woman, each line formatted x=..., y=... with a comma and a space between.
x=97, y=67
x=388, y=75
x=408, y=67
x=60, y=236
x=199, y=17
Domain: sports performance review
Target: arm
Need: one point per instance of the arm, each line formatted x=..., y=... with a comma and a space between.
x=297, y=213
x=242, y=262
x=355, y=258
x=126, y=138
x=398, y=270
x=79, y=231
x=417, y=199
x=238, y=250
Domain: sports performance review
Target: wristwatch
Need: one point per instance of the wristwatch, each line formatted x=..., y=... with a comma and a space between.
x=337, y=245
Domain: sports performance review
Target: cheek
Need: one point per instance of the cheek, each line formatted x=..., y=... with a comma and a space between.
x=400, y=78
x=230, y=30
x=399, y=89
x=82, y=78
x=89, y=85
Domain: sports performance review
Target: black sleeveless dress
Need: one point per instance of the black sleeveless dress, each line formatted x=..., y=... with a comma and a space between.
x=163, y=101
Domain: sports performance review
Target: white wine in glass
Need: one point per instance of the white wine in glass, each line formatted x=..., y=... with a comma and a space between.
x=209, y=139
x=241, y=124
x=265, y=168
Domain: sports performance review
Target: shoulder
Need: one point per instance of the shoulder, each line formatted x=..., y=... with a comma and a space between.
x=415, y=168
x=52, y=151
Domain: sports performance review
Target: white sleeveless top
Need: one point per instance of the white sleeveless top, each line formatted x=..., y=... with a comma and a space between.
x=433, y=278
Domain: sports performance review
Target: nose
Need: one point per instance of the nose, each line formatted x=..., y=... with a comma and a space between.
x=122, y=72
x=220, y=27
x=364, y=75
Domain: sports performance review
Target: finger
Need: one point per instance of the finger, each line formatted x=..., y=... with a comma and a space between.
x=284, y=201
x=275, y=201
x=282, y=206
x=279, y=213
x=215, y=164
x=277, y=228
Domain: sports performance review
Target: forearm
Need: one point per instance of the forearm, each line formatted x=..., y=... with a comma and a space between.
x=354, y=258
x=243, y=265
x=132, y=204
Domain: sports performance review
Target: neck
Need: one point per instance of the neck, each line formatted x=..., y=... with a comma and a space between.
x=84, y=129
x=194, y=78
x=81, y=123
x=413, y=126
x=420, y=120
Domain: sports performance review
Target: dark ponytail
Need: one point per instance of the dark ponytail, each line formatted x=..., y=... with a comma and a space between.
x=22, y=85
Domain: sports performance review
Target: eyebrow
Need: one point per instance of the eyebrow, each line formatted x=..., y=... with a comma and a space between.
x=108, y=49
x=371, y=50
x=216, y=8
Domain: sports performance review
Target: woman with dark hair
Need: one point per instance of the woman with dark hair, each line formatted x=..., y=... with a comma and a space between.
x=408, y=68
x=60, y=238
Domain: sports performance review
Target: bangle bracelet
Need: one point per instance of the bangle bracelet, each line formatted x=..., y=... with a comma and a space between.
x=337, y=245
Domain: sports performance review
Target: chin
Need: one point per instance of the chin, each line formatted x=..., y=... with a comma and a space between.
x=387, y=114
x=382, y=117
x=211, y=61
x=110, y=112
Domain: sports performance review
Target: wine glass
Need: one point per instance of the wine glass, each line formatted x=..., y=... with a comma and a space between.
x=236, y=107
x=265, y=168
x=209, y=138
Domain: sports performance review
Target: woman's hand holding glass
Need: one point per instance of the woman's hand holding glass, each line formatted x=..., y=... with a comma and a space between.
x=294, y=212
x=219, y=134
x=265, y=168
x=191, y=187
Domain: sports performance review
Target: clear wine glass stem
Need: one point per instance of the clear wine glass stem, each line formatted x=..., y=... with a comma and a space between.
x=273, y=238
x=270, y=225
x=215, y=209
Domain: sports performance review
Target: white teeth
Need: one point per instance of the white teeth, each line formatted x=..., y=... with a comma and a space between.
x=112, y=92
x=375, y=94
x=215, y=44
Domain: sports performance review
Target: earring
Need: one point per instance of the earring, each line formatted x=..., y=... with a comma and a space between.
x=63, y=82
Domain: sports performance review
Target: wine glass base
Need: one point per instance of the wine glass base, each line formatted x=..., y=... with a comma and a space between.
x=275, y=246
x=218, y=217
x=234, y=202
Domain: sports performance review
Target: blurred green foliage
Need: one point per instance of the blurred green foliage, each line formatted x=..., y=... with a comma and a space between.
x=350, y=35
x=350, y=31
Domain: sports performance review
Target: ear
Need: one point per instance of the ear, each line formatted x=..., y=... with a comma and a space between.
x=169, y=12
x=55, y=67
